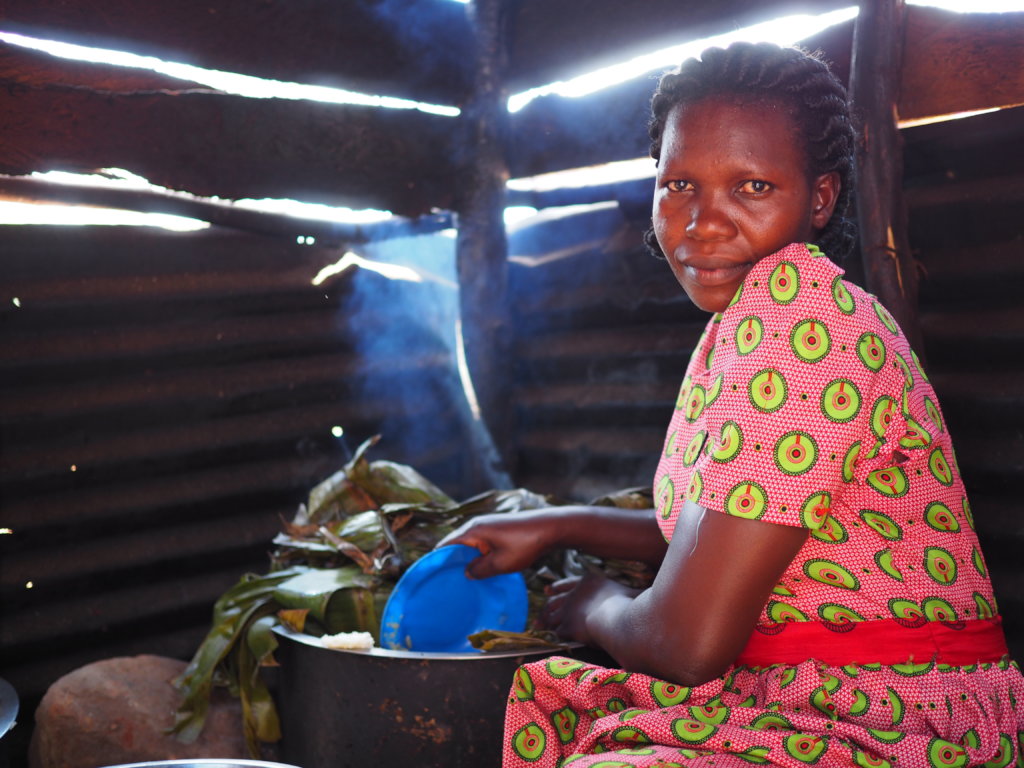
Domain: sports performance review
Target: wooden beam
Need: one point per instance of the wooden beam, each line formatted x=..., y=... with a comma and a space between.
x=958, y=62
x=412, y=48
x=481, y=246
x=889, y=266
x=233, y=147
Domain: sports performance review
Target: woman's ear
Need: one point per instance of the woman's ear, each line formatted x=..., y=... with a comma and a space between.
x=824, y=195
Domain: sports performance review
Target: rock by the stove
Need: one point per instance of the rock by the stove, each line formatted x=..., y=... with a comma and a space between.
x=117, y=710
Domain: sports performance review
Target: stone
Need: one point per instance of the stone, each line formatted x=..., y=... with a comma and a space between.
x=117, y=710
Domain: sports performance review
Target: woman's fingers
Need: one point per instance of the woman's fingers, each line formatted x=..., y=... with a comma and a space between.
x=484, y=567
x=462, y=535
x=552, y=613
x=562, y=585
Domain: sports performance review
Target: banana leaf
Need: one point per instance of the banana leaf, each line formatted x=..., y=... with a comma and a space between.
x=259, y=715
x=312, y=547
x=361, y=485
x=499, y=640
x=628, y=498
x=491, y=502
x=340, y=599
x=383, y=516
x=389, y=482
x=338, y=496
x=363, y=529
x=249, y=600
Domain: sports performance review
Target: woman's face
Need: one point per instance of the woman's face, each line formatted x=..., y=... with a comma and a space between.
x=732, y=188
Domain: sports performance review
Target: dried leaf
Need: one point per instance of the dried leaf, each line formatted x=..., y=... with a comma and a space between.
x=400, y=484
x=364, y=530
x=297, y=530
x=628, y=498
x=362, y=559
x=342, y=494
x=294, y=618
x=495, y=640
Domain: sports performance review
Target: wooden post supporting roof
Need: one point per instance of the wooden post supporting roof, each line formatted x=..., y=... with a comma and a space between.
x=889, y=266
x=481, y=246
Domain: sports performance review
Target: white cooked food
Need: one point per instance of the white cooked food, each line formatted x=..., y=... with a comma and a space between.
x=348, y=641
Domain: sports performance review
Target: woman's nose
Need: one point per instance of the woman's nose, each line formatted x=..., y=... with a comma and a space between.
x=708, y=222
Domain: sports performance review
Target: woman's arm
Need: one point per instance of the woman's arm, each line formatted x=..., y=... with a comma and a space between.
x=511, y=542
x=690, y=625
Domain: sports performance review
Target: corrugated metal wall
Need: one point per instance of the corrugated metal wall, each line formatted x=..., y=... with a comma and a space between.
x=164, y=399
x=965, y=186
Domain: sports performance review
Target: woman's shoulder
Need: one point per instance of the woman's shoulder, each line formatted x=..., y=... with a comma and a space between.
x=795, y=311
x=800, y=282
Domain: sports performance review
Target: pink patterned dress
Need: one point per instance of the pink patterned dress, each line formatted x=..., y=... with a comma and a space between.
x=804, y=405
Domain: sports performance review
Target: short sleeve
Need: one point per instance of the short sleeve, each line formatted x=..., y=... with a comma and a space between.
x=801, y=389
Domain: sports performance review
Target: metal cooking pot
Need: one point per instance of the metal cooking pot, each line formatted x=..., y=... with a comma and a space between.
x=204, y=763
x=384, y=708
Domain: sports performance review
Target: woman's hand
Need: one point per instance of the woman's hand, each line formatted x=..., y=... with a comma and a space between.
x=507, y=542
x=574, y=598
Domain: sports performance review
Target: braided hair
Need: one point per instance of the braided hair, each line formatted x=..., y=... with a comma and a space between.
x=790, y=77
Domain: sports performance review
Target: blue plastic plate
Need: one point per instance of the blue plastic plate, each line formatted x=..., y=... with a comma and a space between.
x=434, y=606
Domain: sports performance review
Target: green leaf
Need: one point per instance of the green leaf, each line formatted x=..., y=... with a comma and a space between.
x=499, y=501
x=259, y=715
x=306, y=545
x=262, y=642
x=340, y=495
x=393, y=483
x=363, y=530
x=341, y=599
x=250, y=599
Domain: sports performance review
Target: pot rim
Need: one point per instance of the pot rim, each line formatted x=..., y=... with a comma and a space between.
x=386, y=653
x=205, y=762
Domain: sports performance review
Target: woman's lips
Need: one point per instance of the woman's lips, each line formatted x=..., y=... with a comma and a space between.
x=715, y=275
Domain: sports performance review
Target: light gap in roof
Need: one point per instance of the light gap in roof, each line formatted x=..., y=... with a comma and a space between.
x=45, y=214
x=118, y=178
x=225, y=82
x=973, y=6
x=606, y=173
x=784, y=31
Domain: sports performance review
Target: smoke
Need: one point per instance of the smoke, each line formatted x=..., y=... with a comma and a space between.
x=403, y=325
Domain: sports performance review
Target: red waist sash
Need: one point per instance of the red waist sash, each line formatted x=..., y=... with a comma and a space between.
x=885, y=641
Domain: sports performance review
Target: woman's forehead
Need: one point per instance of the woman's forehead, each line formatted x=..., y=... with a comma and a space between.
x=733, y=127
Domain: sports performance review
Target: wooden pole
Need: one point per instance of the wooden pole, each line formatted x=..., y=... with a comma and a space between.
x=481, y=246
x=889, y=266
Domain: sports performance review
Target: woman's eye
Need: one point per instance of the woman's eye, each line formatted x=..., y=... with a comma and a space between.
x=677, y=185
x=755, y=187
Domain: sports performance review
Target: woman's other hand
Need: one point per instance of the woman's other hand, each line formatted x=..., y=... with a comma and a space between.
x=576, y=597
